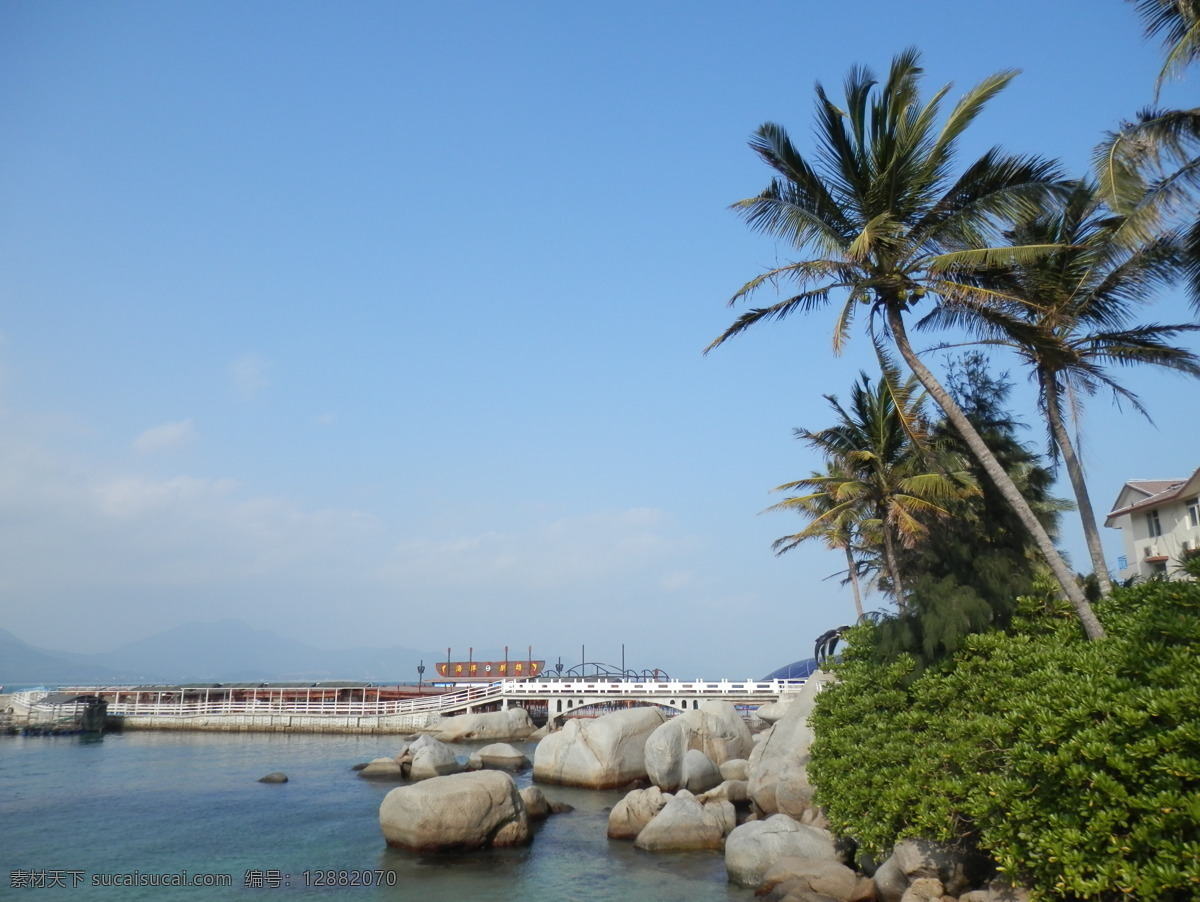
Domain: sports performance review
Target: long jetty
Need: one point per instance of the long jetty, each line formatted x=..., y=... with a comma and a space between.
x=356, y=708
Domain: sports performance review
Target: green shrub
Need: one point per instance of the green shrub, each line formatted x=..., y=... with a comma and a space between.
x=1074, y=765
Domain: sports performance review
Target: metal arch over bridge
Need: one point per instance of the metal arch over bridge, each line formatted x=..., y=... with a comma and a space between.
x=564, y=697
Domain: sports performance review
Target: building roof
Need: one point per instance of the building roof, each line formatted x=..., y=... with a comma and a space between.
x=1155, y=493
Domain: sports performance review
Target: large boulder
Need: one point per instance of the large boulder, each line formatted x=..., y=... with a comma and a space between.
x=735, y=769
x=634, y=812
x=778, y=774
x=753, y=847
x=458, y=812
x=731, y=791
x=497, y=726
x=715, y=728
x=699, y=773
x=684, y=824
x=382, y=769
x=771, y=712
x=605, y=753
x=428, y=757
x=498, y=756
x=537, y=807
x=793, y=876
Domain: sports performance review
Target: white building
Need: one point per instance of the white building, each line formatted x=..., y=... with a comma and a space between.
x=1159, y=520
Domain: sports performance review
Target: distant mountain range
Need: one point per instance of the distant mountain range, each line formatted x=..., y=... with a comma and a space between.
x=223, y=651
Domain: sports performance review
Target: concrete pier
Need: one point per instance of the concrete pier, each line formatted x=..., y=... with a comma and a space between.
x=278, y=722
x=362, y=708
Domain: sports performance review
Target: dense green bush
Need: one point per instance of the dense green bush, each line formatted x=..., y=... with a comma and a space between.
x=1074, y=765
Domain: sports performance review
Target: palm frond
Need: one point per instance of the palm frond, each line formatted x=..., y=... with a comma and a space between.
x=805, y=301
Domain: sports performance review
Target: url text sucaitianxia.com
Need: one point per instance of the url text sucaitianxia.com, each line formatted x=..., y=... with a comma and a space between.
x=44, y=878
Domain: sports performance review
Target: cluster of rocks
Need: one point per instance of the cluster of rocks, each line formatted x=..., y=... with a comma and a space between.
x=420, y=759
x=425, y=758
x=701, y=780
x=454, y=806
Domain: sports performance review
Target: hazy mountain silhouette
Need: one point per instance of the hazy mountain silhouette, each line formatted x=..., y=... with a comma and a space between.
x=220, y=651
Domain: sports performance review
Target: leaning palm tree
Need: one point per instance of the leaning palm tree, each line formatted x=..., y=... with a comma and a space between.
x=883, y=221
x=1070, y=315
x=880, y=484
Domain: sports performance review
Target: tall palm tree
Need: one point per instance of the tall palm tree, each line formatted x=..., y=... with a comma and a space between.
x=1069, y=315
x=832, y=519
x=884, y=221
x=879, y=483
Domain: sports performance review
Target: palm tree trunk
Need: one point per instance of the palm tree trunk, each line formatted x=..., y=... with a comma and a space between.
x=858, y=608
x=1075, y=471
x=1004, y=484
x=889, y=554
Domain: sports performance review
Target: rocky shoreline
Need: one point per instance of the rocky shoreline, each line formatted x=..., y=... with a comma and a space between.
x=702, y=780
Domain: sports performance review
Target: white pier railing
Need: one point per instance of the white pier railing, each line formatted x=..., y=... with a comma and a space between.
x=268, y=705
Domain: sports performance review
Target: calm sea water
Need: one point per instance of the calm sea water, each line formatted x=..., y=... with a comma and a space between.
x=164, y=803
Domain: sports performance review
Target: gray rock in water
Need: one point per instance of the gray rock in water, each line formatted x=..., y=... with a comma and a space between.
x=432, y=758
x=630, y=815
x=536, y=805
x=453, y=813
x=753, y=847
x=808, y=875
x=498, y=756
x=716, y=729
x=277, y=777
x=382, y=769
x=496, y=725
x=605, y=753
x=684, y=825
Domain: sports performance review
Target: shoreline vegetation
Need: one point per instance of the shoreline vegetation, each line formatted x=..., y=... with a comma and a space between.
x=1072, y=767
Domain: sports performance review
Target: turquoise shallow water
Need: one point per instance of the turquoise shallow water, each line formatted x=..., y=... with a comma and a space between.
x=157, y=803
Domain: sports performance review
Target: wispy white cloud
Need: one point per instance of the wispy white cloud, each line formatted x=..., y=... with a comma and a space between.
x=165, y=438
x=249, y=375
x=678, y=580
x=123, y=553
x=560, y=555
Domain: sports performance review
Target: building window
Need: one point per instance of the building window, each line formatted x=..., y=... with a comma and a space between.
x=1193, y=506
x=1152, y=524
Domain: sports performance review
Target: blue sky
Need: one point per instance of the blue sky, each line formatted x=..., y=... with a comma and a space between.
x=381, y=323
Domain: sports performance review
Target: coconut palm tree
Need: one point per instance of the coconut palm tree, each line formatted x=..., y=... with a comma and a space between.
x=880, y=484
x=884, y=222
x=832, y=519
x=1070, y=315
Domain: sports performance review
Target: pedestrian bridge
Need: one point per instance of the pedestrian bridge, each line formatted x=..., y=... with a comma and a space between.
x=277, y=709
x=564, y=698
